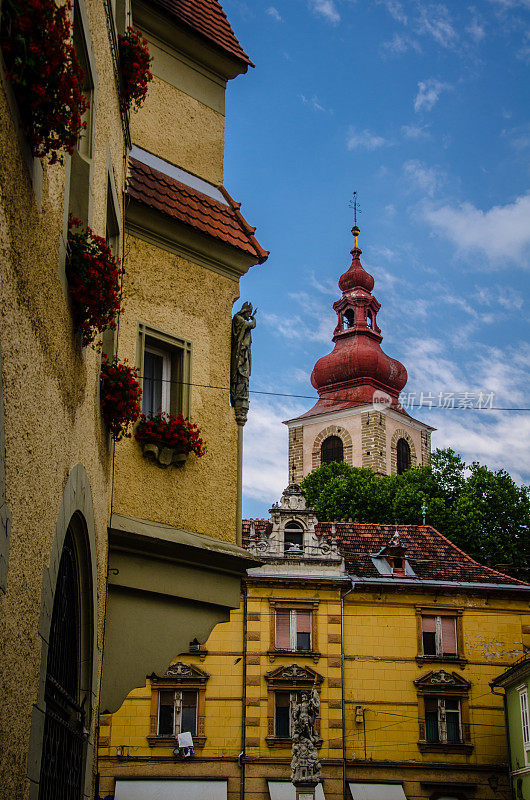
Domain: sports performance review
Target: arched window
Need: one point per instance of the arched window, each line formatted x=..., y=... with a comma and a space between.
x=403, y=455
x=68, y=670
x=293, y=541
x=349, y=318
x=331, y=449
x=369, y=319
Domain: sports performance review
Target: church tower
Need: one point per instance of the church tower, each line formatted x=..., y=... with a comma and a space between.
x=357, y=418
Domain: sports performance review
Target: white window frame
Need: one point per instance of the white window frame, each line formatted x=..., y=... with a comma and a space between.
x=174, y=712
x=166, y=375
x=177, y=711
x=525, y=722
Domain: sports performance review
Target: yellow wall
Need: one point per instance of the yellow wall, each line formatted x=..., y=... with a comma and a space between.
x=52, y=419
x=202, y=495
x=381, y=647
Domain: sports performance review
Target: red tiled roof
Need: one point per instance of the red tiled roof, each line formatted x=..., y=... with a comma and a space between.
x=188, y=205
x=207, y=18
x=430, y=554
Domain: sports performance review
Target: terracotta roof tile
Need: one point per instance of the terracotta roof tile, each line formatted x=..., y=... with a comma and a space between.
x=430, y=554
x=207, y=18
x=188, y=205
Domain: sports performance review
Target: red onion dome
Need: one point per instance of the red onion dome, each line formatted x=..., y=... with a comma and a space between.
x=356, y=277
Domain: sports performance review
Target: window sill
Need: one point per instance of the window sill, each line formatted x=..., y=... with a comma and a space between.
x=314, y=654
x=460, y=660
x=163, y=456
x=285, y=742
x=170, y=741
x=439, y=747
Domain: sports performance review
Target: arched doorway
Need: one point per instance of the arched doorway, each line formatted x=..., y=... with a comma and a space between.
x=68, y=672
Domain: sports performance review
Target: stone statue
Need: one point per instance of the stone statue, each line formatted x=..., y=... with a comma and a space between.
x=305, y=764
x=243, y=323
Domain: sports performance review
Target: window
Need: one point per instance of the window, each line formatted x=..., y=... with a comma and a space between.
x=331, y=449
x=112, y=237
x=403, y=456
x=293, y=539
x=349, y=318
x=443, y=720
x=439, y=636
x=369, y=319
x=177, y=712
x=525, y=722
x=165, y=367
x=293, y=629
x=79, y=198
x=282, y=713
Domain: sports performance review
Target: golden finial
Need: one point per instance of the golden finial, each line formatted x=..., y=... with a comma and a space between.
x=355, y=230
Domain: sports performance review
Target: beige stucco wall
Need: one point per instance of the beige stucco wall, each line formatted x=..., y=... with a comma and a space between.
x=182, y=130
x=52, y=419
x=202, y=495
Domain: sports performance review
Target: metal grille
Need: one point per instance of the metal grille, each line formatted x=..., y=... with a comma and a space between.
x=64, y=739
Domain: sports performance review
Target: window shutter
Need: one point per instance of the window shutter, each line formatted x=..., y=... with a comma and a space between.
x=303, y=622
x=283, y=634
x=449, y=636
x=428, y=624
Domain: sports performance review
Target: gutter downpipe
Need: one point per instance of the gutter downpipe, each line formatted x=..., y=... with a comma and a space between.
x=343, y=698
x=241, y=756
x=503, y=695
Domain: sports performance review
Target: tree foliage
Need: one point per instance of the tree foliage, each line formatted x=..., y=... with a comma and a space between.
x=482, y=511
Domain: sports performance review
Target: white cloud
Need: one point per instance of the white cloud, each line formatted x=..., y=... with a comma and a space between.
x=429, y=92
x=399, y=44
x=476, y=30
x=415, y=131
x=501, y=234
x=326, y=9
x=265, y=453
x=434, y=20
x=423, y=178
x=274, y=13
x=505, y=296
x=364, y=140
x=312, y=102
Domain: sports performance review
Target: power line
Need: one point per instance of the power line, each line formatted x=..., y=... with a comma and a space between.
x=428, y=406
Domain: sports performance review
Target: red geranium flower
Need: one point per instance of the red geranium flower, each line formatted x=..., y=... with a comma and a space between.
x=168, y=431
x=135, y=73
x=120, y=396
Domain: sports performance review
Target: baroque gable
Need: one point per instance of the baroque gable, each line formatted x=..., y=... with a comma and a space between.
x=294, y=675
x=441, y=679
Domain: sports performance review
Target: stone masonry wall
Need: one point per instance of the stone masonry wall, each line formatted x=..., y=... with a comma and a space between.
x=296, y=454
x=373, y=439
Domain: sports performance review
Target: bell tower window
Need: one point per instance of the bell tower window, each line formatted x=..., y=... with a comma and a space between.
x=331, y=449
x=349, y=318
x=369, y=319
x=403, y=456
x=293, y=541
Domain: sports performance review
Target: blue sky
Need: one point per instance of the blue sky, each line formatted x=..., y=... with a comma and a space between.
x=424, y=109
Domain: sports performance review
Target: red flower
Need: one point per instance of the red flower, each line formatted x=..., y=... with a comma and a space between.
x=45, y=74
x=135, y=73
x=120, y=396
x=169, y=431
x=93, y=275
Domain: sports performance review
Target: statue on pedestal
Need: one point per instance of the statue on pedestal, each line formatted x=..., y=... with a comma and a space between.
x=243, y=323
x=305, y=764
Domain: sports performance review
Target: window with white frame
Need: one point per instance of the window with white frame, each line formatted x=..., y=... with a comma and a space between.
x=439, y=635
x=443, y=720
x=177, y=712
x=525, y=722
x=293, y=539
x=165, y=367
x=293, y=629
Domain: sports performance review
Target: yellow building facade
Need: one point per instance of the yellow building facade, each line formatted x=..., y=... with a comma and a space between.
x=399, y=631
x=91, y=531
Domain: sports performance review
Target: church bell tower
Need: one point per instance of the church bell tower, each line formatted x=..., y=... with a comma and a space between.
x=357, y=418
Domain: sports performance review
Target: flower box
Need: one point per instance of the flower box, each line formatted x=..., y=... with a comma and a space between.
x=168, y=440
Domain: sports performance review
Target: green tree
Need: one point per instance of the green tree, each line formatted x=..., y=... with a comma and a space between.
x=482, y=511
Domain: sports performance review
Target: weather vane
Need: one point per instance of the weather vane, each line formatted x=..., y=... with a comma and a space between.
x=354, y=203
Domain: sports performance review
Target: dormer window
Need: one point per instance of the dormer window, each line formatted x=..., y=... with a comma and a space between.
x=293, y=541
x=397, y=564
